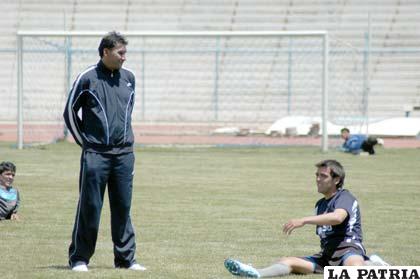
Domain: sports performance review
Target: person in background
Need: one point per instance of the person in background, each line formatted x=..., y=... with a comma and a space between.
x=9, y=195
x=357, y=143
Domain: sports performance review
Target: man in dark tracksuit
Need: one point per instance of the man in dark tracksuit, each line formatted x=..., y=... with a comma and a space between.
x=105, y=95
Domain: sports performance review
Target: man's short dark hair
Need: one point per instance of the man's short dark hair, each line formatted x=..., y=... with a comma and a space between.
x=110, y=40
x=7, y=166
x=336, y=169
x=345, y=130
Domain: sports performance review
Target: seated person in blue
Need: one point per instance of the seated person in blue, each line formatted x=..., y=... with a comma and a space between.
x=9, y=196
x=359, y=143
x=338, y=225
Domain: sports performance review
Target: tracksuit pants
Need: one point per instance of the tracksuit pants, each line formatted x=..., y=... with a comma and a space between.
x=98, y=170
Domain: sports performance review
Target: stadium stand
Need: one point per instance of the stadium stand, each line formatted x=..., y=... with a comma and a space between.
x=395, y=59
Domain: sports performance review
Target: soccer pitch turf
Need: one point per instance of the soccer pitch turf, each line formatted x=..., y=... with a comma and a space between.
x=194, y=207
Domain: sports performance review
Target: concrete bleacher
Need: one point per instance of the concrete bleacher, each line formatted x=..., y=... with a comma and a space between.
x=45, y=15
x=395, y=79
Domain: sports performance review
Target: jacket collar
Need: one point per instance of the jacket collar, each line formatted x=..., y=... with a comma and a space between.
x=106, y=70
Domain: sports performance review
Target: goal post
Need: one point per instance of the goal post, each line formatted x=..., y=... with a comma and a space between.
x=193, y=78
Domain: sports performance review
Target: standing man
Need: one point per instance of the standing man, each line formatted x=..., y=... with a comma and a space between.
x=338, y=224
x=98, y=115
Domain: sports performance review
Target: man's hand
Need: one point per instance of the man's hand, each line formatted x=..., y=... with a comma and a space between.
x=291, y=225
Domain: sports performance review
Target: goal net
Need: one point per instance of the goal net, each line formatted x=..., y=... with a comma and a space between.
x=202, y=87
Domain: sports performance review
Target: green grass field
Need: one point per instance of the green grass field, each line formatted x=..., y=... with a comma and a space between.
x=193, y=207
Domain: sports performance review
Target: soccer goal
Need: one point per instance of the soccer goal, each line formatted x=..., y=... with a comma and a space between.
x=199, y=87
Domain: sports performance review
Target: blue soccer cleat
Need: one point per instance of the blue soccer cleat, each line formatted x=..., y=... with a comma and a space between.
x=239, y=269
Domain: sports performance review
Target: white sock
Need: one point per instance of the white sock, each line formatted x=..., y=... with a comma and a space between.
x=277, y=269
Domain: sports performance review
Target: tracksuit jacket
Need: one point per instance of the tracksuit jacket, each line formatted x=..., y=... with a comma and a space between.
x=9, y=202
x=354, y=143
x=106, y=98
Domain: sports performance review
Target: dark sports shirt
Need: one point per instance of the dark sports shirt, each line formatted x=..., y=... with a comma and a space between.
x=350, y=230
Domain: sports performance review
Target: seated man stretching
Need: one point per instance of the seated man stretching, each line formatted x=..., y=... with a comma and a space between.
x=338, y=224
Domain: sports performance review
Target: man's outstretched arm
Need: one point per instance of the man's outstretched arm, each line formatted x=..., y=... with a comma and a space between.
x=330, y=219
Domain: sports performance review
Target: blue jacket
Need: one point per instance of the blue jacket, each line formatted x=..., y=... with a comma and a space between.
x=354, y=143
x=9, y=202
x=106, y=100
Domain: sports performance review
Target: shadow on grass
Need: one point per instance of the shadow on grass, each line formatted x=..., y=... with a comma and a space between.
x=66, y=267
